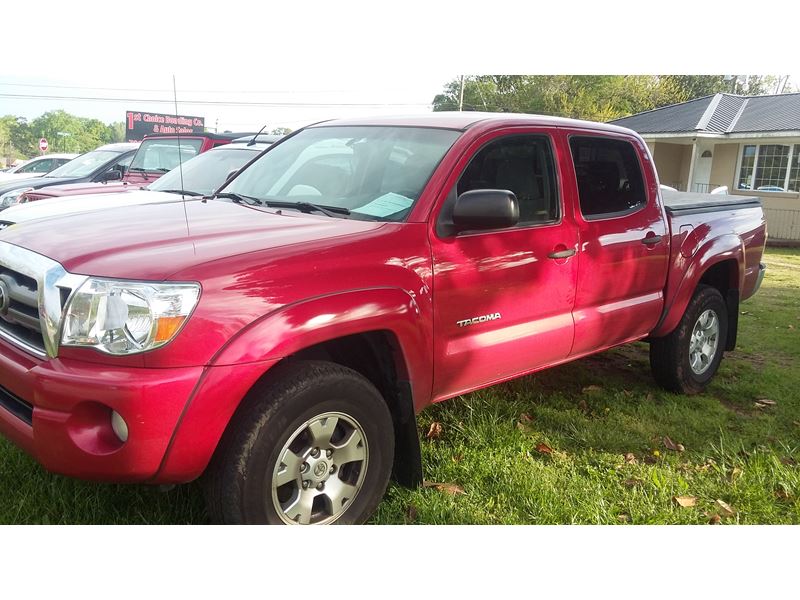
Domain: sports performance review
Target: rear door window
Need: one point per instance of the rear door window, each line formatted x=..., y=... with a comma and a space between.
x=609, y=177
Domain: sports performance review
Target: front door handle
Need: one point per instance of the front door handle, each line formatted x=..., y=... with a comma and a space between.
x=562, y=253
x=653, y=239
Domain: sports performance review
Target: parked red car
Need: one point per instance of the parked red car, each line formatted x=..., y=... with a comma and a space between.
x=280, y=337
x=157, y=154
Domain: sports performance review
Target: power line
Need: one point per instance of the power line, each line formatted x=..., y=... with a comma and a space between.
x=226, y=91
x=211, y=102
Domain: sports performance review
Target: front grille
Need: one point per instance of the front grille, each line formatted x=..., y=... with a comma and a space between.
x=19, y=308
x=16, y=406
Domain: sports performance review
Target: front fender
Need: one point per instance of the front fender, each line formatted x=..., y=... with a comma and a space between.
x=708, y=253
x=260, y=346
x=309, y=322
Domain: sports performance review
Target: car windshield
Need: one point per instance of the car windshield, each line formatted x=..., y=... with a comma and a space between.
x=206, y=172
x=84, y=165
x=374, y=172
x=163, y=154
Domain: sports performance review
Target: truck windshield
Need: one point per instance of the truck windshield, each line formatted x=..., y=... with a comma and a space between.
x=375, y=172
x=84, y=165
x=161, y=154
x=206, y=172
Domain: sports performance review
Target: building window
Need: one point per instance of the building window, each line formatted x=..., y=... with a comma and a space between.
x=770, y=168
x=794, y=171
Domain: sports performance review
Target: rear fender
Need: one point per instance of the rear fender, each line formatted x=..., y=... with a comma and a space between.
x=709, y=253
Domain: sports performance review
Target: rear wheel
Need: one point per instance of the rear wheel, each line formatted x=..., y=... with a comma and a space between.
x=312, y=445
x=685, y=360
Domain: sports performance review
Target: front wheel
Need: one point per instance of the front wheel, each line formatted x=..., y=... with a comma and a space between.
x=313, y=444
x=685, y=360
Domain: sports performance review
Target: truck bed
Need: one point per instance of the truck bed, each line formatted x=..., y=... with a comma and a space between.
x=691, y=203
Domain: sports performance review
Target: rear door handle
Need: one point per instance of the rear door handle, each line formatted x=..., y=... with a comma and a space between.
x=653, y=239
x=562, y=253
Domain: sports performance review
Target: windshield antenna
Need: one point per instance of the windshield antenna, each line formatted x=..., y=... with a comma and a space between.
x=180, y=159
x=253, y=141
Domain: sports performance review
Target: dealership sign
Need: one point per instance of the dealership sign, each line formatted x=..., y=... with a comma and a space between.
x=140, y=124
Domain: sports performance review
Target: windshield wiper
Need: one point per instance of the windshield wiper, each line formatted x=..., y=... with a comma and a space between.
x=331, y=211
x=182, y=192
x=238, y=198
x=152, y=170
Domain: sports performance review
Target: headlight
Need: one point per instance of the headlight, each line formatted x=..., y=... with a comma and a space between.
x=12, y=197
x=126, y=317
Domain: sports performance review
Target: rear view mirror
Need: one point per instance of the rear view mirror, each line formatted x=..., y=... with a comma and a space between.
x=485, y=209
x=113, y=175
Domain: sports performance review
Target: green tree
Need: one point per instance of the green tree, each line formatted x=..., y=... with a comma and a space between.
x=68, y=133
x=281, y=131
x=593, y=97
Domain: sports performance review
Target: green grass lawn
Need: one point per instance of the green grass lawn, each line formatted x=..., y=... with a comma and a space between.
x=581, y=443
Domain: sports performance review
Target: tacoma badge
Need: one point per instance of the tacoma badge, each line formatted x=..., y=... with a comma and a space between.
x=481, y=319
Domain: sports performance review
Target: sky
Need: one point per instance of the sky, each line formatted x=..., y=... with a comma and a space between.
x=242, y=65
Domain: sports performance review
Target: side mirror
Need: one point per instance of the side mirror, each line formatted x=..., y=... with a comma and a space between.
x=113, y=175
x=485, y=209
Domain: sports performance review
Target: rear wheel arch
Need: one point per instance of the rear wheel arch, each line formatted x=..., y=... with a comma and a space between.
x=719, y=263
x=726, y=278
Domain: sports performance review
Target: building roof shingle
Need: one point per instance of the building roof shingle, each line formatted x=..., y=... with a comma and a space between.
x=720, y=113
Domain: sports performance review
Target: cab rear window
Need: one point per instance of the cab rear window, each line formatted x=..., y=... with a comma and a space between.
x=610, y=182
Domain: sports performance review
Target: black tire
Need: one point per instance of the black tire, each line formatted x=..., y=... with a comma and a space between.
x=670, y=355
x=239, y=479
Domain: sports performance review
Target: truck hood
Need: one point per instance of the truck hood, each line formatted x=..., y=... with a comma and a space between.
x=153, y=241
x=88, y=187
x=28, y=211
x=34, y=182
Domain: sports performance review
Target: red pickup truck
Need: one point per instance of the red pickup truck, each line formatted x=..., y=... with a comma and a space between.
x=156, y=155
x=279, y=337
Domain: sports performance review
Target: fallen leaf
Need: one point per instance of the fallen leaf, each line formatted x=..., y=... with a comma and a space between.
x=623, y=518
x=591, y=388
x=628, y=393
x=725, y=509
x=450, y=488
x=650, y=460
x=782, y=494
x=745, y=312
x=457, y=458
x=735, y=473
x=670, y=445
x=788, y=461
x=791, y=326
x=632, y=482
x=714, y=519
x=583, y=406
x=765, y=401
x=796, y=423
x=630, y=458
x=411, y=513
x=685, y=501
x=543, y=448
x=649, y=397
x=525, y=418
x=435, y=431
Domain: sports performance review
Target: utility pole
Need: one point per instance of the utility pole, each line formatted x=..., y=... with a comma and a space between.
x=461, y=96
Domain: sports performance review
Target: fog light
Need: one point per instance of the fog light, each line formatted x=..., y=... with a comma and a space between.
x=119, y=426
